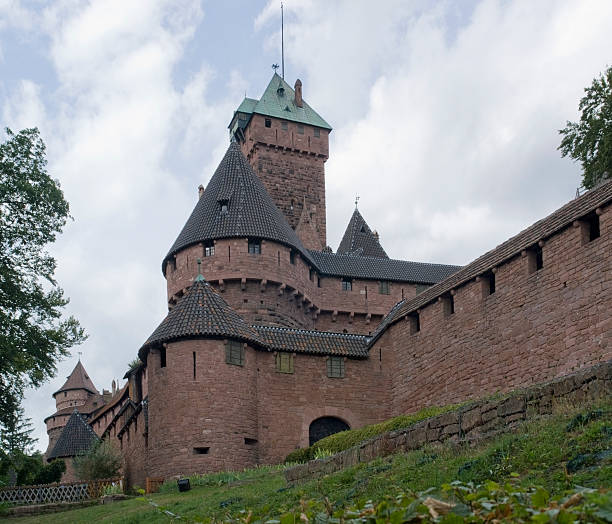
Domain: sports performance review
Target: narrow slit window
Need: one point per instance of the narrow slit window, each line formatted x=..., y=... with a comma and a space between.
x=491, y=283
x=415, y=323
x=194, y=365
x=162, y=358
x=292, y=256
x=335, y=367
x=539, y=258
x=311, y=274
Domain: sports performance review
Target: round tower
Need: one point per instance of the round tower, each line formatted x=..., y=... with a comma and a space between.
x=202, y=387
x=77, y=392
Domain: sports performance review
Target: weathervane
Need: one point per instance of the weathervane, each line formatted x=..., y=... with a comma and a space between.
x=80, y=353
x=275, y=67
x=356, y=201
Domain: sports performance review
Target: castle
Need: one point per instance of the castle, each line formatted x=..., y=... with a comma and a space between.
x=272, y=341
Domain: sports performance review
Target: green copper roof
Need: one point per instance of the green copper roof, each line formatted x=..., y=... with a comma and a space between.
x=247, y=106
x=280, y=103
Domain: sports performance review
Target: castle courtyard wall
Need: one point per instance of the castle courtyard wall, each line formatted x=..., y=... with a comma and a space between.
x=536, y=326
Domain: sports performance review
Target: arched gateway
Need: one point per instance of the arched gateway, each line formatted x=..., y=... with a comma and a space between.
x=325, y=426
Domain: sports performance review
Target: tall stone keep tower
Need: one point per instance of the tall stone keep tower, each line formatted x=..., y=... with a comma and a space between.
x=287, y=144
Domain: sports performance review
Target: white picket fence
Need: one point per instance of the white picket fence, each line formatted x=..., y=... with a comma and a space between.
x=53, y=493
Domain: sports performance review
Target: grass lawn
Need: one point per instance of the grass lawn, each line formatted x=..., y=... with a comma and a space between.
x=573, y=448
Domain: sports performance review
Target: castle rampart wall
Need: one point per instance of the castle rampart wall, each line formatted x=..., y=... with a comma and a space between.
x=536, y=326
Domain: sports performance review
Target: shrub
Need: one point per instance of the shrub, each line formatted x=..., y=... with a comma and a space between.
x=102, y=461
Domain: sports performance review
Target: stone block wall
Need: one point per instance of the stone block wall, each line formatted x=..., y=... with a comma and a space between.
x=267, y=288
x=537, y=325
x=478, y=420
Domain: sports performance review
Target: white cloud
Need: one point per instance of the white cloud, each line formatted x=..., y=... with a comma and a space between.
x=435, y=122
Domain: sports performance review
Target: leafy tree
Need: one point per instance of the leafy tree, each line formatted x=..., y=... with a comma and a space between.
x=589, y=141
x=102, y=461
x=33, y=335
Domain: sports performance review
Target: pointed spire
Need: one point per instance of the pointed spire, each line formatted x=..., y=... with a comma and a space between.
x=78, y=379
x=359, y=239
x=235, y=204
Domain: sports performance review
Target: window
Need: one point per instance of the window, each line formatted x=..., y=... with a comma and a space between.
x=589, y=226
x=383, y=287
x=311, y=274
x=224, y=206
x=284, y=362
x=318, y=281
x=292, y=256
x=317, y=132
x=250, y=441
x=162, y=358
x=415, y=323
x=209, y=249
x=300, y=129
x=268, y=122
x=284, y=125
x=347, y=284
x=234, y=353
x=335, y=367
x=201, y=451
x=254, y=246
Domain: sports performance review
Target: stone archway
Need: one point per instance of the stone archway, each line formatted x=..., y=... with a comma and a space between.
x=325, y=426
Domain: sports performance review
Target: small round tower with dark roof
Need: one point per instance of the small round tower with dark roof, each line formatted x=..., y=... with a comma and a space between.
x=78, y=392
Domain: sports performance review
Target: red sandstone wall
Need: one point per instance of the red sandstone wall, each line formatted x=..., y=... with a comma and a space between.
x=71, y=398
x=134, y=449
x=535, y=327
x=291, y=167
x=288, y=403
x=216, y=410
x=232, y=263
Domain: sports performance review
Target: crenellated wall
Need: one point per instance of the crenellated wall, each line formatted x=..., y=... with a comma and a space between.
x=537, y=325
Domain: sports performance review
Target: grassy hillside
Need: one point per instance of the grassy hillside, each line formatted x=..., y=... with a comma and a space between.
x=544, y=460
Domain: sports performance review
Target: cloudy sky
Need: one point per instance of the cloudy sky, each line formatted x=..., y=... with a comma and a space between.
x=445, y=118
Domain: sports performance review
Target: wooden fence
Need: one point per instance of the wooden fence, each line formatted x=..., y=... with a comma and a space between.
x=52, y=493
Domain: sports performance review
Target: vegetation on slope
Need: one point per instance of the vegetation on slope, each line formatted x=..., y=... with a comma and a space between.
x=347, y=439
x=550, y=470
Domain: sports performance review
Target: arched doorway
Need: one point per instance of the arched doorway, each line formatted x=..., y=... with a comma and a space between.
x=325, y=426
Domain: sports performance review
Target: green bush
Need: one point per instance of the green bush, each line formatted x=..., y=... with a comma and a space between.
x=352, y=437
x=102, y=461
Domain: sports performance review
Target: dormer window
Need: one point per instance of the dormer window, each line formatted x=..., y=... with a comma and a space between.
x=224, y=206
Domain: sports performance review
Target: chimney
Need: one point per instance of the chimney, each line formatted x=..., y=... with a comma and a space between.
x=200, y=191
x=375, y=233
x=114, y=388
x=298, y=93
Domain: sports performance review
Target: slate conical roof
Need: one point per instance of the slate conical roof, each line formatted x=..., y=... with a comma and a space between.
x=250, y=210
x=75, y=439
x=201, y=312
x=359, y=239
x=78, y=379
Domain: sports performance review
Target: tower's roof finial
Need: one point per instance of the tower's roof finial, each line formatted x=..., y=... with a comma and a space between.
x=200, y=277
x=356, y=201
